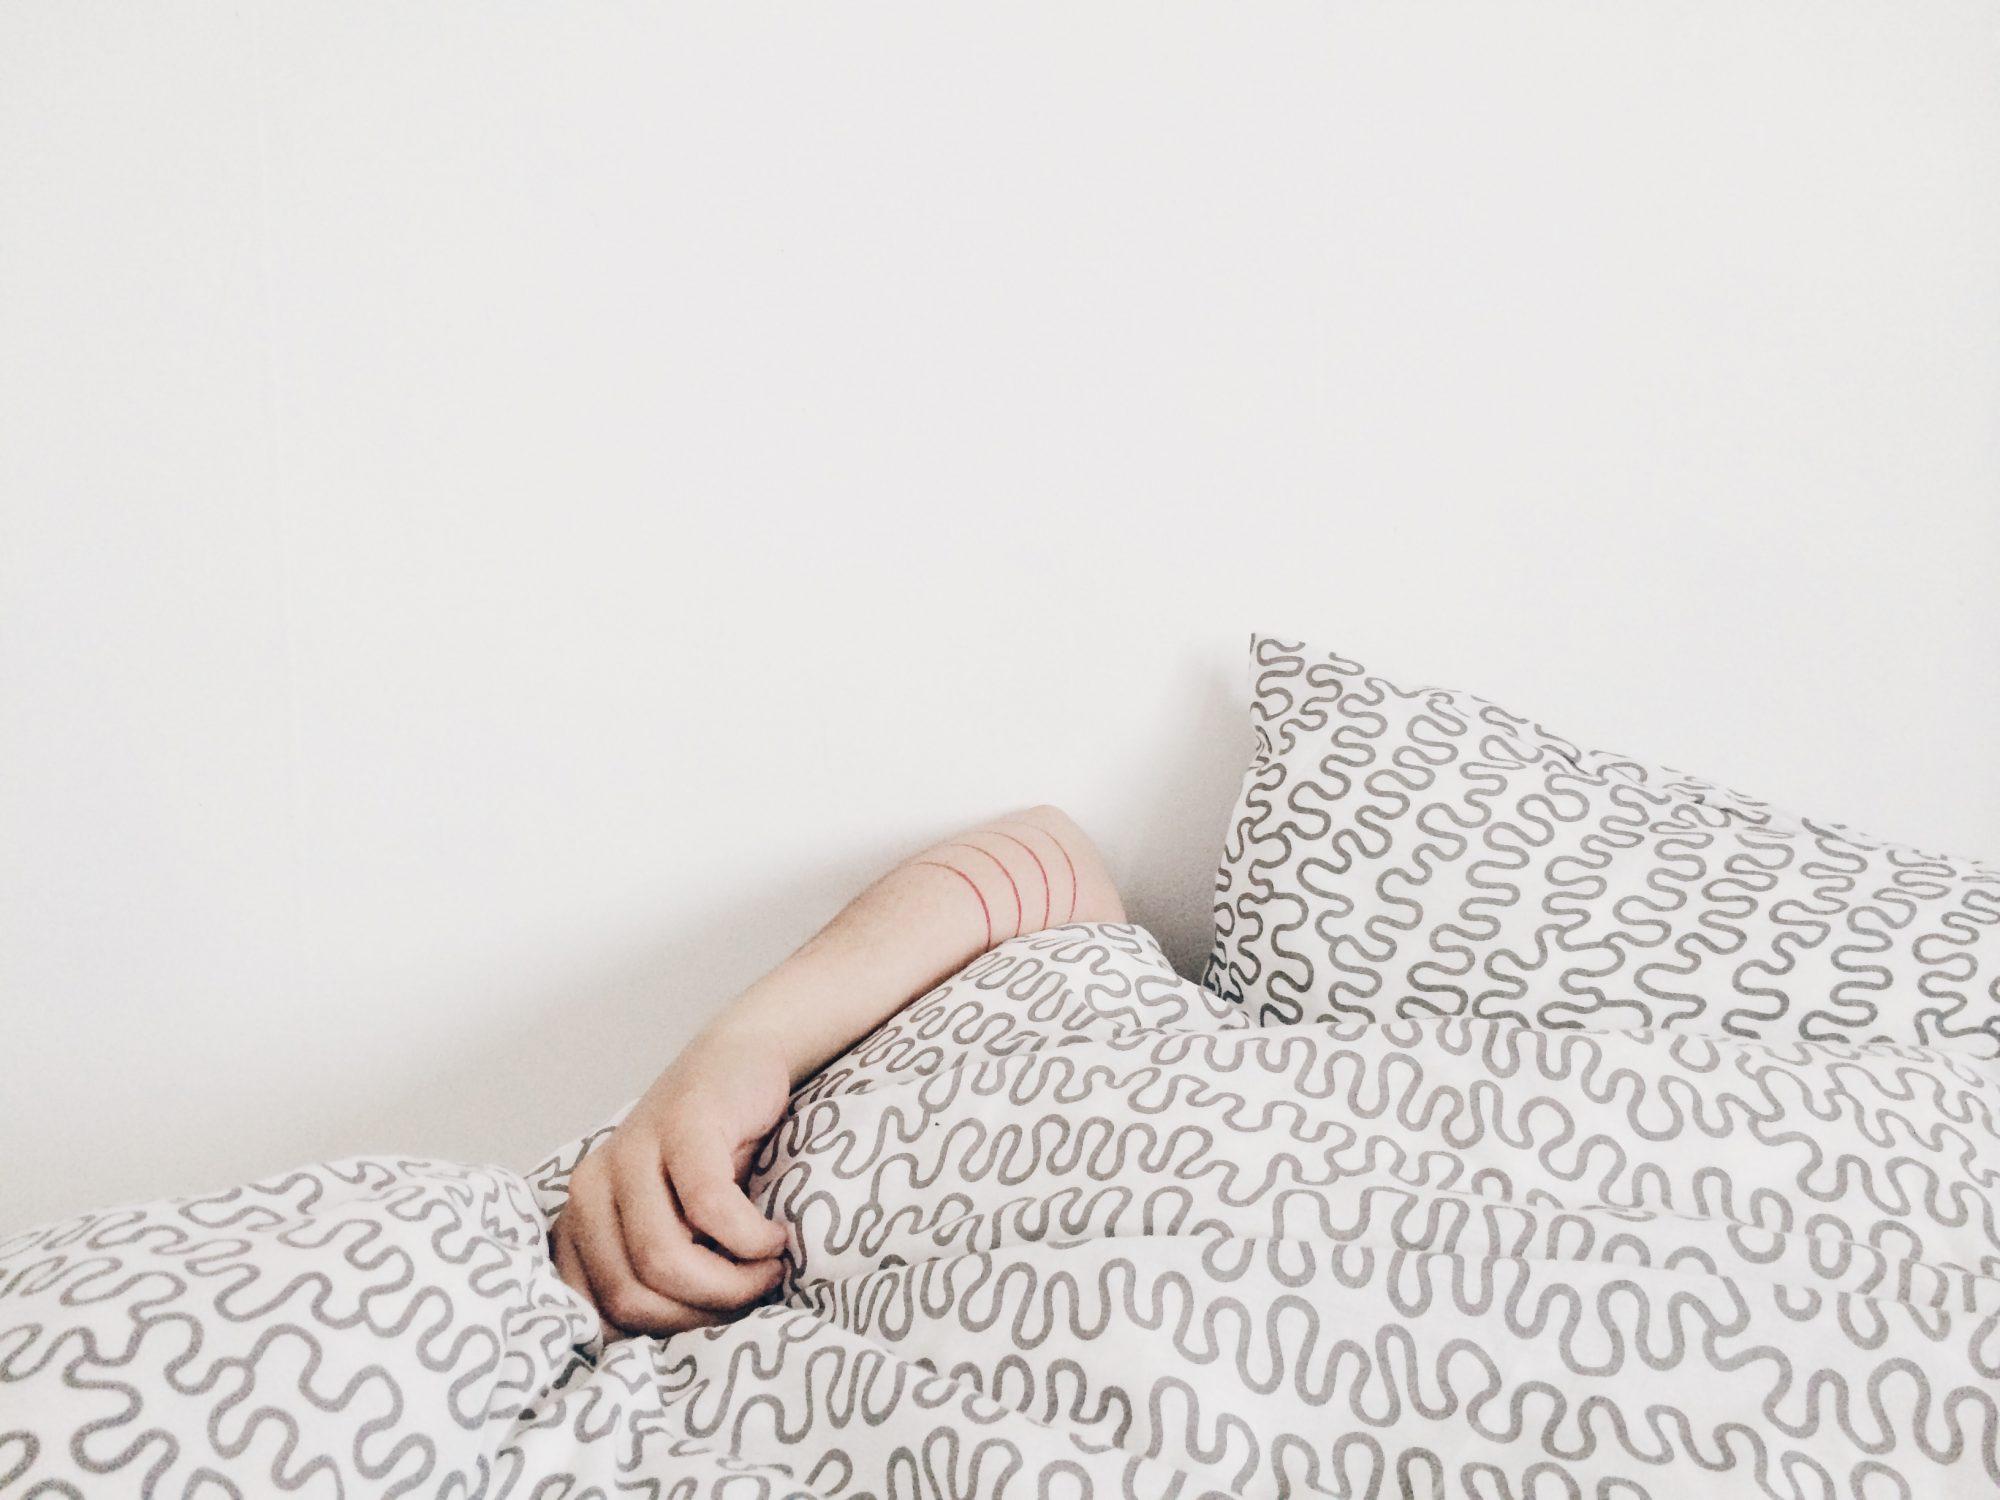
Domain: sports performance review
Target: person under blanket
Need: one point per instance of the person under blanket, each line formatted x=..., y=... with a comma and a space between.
x=658, y=1232
x=976, y=1198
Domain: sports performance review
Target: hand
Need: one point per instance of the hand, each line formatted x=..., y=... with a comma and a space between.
x=658, y=1232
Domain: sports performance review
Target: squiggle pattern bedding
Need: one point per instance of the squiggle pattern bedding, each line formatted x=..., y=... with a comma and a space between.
x=1416, y=851
x=1070, y=1228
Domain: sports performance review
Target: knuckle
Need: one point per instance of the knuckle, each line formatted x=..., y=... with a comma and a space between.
x=629, y=1151
x=675, y=1147
x=626, y=1307
x=658, y=1265
x=704, y=1199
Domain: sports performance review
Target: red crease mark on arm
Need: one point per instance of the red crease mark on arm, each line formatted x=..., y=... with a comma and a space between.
x=1067, y=861
x=1072, y=875
x=973, y=885
x=1005, y=874
x=1040, y=869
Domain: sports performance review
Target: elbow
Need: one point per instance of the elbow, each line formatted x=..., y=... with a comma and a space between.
x=1061, y=827
x=1095, y=894
x=1048, y=815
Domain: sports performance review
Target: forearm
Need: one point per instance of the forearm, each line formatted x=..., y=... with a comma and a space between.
x=658, y=1232
x=924, y=920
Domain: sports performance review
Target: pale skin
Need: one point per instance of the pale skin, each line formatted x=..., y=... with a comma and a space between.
x=659, y=1233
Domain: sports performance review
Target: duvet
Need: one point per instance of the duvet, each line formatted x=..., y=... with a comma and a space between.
x=1070, y=1228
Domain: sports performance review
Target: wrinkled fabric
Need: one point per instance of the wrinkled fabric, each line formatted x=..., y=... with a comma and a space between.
x=1073, y=1227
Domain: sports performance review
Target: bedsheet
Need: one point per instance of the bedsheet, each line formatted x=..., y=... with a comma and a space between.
x=1071, y=1227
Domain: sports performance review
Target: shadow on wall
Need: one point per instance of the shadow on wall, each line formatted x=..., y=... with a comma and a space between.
x=1164, y=850
x=586, y=1050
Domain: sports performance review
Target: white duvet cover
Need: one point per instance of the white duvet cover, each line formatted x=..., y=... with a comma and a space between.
x=1072, y=1227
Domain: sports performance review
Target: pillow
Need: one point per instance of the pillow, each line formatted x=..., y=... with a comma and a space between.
x=1406, y=852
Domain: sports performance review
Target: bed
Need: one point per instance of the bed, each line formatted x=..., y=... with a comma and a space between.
x=1597, y=1175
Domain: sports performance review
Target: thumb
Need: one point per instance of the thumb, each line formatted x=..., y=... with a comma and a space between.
x=713, y=1202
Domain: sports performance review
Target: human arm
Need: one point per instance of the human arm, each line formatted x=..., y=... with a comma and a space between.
x=658, y=1232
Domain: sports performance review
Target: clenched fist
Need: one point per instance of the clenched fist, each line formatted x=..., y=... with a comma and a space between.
x=658, y=1232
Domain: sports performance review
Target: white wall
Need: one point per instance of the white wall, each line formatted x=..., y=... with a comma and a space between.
x=511, y=513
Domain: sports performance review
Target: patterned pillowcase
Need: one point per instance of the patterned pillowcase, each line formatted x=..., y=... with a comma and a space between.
x=1402, y=852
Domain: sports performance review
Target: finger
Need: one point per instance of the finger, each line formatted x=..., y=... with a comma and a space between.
x=620, y=1296
x=713, y=1202
x=662, y=1250
x=568, y=1267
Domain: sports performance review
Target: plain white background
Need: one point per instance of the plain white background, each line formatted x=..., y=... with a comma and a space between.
x=512, y=513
